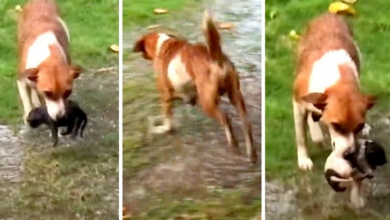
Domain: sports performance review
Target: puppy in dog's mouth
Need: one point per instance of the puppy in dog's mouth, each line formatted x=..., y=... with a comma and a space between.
x=342, y=168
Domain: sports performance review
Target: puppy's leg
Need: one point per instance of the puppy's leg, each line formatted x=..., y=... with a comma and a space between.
x=300, y=117
x=54, y=134
x=357, y=199
x=24, y=92
x=76, y=126
x=315, y=131
x=236, y=98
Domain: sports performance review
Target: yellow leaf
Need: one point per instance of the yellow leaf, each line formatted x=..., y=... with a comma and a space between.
x=225, y=25
x=153, y=26
x=350, y=1
x=341, y=7
x=114, y=48
x=293, y=35
x=160, y=11
x=18, y=8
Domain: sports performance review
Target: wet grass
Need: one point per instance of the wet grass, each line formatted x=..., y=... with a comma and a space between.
x=79, y=181
x=371, y=31
x=151, y=162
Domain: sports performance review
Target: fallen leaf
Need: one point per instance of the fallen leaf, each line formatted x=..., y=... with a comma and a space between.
x=18, y=8
x=350, y=1
x=114, y=48
x=160, y=11
x=341, y=7
x=153, y=26
x=126, y=217
x=293, y=35
x=225, y=25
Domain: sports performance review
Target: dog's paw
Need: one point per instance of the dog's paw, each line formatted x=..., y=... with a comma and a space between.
x=162, y=129
x=305, y=163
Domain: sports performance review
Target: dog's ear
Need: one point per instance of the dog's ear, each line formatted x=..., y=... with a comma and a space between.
x=31, y=74
x=370, y=101
x=317, y=99
x=139, y=45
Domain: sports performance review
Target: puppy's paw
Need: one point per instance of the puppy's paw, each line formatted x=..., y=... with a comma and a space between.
x=305, y=163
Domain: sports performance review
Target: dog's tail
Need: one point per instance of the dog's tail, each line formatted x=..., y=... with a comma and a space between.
x=211, y=34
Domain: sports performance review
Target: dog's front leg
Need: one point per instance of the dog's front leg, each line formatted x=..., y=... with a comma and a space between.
x=357, y=197
x=300, y=117
x=237, y=100
x=24, y=92
x=166, y=99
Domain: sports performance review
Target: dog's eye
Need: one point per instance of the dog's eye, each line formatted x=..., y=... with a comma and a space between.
x=359, y=128
x=338, y=128
x=67, y=93
x=49, y=94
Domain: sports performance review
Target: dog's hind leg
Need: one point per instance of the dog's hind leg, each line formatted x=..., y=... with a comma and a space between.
x=300, y=117
x=315, y=131
x=237, y=100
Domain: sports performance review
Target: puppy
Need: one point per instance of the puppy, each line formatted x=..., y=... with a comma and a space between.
x=326, y=87
x=196, y=73
x=367, y=156
x=74, y=121
x=347, y=170
x=45, y=71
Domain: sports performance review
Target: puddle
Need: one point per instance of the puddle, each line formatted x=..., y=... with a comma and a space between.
x=11, y=152
x=195, y=159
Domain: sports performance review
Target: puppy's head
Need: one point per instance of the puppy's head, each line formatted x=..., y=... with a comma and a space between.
x=376, y=155
x=344, y=115
x=54, y=80
x=149, y=44
x=37, y=117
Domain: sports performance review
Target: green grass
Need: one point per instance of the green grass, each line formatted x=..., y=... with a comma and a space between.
x=79, y=181
x=143, y=153
x=371, y=32
x=93, y=27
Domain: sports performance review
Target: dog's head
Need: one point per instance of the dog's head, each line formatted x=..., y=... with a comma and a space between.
x=149, y=44
x=343, y=114
x=37, y=117
x=375, y=153
x=54, y=80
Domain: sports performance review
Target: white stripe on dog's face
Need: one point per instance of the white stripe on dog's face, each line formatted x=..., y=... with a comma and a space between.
x=342, y=141
x=56, y=109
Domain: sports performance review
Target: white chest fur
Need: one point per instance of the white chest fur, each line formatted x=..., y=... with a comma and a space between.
x=325, y=71
x=179, y=77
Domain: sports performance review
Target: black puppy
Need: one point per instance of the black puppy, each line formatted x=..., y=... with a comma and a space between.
x=367, y=156
x=75, y=120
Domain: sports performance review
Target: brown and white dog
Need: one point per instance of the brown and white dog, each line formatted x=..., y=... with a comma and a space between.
x=196, y=73
x=326, y=87
x=45, y=72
